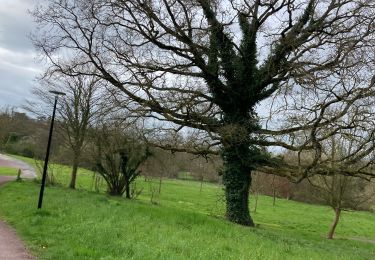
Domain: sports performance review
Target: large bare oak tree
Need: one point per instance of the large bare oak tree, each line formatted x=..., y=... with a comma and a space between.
x=211, y=65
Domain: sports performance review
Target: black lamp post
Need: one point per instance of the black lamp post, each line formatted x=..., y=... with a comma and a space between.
x=57, y=93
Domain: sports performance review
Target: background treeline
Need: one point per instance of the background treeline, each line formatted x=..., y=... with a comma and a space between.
x=22, y=135
x=26, y=136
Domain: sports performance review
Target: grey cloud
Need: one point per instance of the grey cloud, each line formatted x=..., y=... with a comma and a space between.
x=17, y=56
x=15, y=24
x=14, y=87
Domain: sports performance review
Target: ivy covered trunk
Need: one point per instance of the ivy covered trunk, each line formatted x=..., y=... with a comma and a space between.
x=237, y=181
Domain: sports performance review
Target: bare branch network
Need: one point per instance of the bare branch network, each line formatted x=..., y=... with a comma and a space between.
x=289, y=74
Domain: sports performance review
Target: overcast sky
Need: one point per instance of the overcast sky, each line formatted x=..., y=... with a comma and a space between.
x=18, y=66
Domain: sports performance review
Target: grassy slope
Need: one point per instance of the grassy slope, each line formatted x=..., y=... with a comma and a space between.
x=61, y=173
x=86, y=225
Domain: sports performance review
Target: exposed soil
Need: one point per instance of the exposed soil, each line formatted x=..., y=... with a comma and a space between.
x=11, y=247
x=4, y=179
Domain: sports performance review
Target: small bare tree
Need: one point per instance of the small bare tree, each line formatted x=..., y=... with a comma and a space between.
x=337, y=190
x=76, y=111
x=159, y=165
x=256, y=188
x=117, y=158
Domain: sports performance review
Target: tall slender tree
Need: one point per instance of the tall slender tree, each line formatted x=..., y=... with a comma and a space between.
x=76, y=111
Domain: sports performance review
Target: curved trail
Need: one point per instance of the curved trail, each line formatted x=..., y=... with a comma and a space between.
x=28, y=171
x=11, y=247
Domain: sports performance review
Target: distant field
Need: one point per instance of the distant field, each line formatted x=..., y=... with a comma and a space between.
x=180, y=223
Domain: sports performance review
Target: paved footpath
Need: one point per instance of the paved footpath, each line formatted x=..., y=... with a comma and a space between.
x=11, y=247
x=27, y=171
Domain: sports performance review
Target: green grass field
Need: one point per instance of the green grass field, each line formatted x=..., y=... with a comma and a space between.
x=181, y=223
x=8, y=171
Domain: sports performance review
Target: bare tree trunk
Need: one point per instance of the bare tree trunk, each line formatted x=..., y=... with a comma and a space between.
x=256, y=201
x=160, y=182
x=127, y=189
x=334, y=223
x=73, y=179
x=273, y=191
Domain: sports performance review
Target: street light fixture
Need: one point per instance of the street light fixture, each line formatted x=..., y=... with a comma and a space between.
x=57, y=94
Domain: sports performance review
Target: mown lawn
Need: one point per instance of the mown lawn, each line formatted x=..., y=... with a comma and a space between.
x=180, y=223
